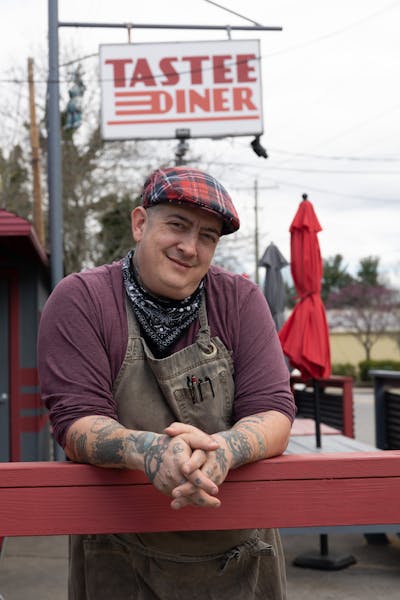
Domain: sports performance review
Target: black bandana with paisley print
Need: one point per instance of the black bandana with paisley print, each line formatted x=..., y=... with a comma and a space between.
x=163, y=321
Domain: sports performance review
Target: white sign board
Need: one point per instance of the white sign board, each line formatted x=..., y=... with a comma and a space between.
x=153, y=91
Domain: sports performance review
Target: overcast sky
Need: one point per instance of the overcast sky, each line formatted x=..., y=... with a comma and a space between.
x=331, y=91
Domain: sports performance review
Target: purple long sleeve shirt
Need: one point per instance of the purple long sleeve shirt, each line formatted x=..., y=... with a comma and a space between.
x=83, y=337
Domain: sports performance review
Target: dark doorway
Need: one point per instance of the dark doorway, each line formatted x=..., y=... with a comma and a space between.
x=4, y=372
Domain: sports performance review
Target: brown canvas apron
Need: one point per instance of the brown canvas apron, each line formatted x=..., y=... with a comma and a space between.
x=197, y=565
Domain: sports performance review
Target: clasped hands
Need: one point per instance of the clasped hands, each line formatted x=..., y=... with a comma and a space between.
x=196, y=463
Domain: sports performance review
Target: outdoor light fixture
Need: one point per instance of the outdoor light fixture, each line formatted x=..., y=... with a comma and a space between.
x=258, y=148
x=182, y=135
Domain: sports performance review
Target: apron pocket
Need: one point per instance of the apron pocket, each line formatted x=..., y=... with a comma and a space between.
x=206, y=399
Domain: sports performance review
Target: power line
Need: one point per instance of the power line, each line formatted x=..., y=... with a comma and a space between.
x=305, y=170
x=331, y=34
x=360, y=125
x=75, y=60
x=325, y=191
x=333, y=171
x=336, y=157
x=233, y=12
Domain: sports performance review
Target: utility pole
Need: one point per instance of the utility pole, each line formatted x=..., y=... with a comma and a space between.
x=256, y=278
x=54, y=169
x=37, y=190
x=54, y=151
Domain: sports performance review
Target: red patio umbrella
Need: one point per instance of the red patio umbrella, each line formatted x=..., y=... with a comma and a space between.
x=305, y=336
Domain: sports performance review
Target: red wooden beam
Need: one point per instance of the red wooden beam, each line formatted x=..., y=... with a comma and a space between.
x=288, y=491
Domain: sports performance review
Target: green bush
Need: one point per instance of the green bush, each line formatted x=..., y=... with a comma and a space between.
x=382, y=365
x=344, y=369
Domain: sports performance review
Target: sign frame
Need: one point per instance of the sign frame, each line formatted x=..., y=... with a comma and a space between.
x=169, y=90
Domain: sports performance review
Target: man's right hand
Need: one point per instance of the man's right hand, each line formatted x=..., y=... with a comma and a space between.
x=163, y=462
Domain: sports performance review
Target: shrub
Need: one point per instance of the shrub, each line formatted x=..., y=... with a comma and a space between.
x=383, y=365
x=344, y=369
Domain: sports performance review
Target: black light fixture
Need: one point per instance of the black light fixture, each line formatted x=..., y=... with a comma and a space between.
x=258, y=148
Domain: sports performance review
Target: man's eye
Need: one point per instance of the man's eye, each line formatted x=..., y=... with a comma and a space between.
x=209, y=238
x=176, y=224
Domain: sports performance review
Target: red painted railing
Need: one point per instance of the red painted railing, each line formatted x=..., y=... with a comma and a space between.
x=288, y=491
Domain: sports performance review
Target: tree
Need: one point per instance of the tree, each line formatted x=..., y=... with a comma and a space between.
x=367, y=311
x=14, y=183
x=115, y=236
x=80, y=188
x=229, y=251
x=368, y=270
x=335, y=276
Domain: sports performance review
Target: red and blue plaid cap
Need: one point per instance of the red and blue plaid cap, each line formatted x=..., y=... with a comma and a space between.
x=183, y=185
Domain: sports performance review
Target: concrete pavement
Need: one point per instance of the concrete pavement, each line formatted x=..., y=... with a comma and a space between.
x=376, y=574
x=35, y=568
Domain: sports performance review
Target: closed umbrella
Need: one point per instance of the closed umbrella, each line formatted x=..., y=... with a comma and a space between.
x=274, y=287
x=305, y=336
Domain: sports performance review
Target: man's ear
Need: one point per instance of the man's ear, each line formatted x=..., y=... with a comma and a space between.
x=139, y=219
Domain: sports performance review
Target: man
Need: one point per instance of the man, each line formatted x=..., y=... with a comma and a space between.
x=163, y=363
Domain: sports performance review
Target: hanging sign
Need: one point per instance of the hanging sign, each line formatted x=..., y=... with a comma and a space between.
x=183, y=89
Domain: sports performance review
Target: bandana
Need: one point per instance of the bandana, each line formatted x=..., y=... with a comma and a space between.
x=183, y=185
x=163, y=321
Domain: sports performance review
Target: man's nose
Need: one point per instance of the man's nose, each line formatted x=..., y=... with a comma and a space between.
x=188, y=243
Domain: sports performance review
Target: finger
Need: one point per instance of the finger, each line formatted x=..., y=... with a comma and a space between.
x=193, y=436
x=199, y=500
x=196, y=461
x=195, y=481
x=177, y=428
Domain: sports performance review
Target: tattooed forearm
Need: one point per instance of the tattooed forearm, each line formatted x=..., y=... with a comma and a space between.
x=97, y=443
x=105, y=442
x=268, y=433
x=222, y=461
x=142, y=441
x=78, y=442
x=107, y=448
x=260, y=440
x=108, y=451
x=239, y=445
x=103, y=426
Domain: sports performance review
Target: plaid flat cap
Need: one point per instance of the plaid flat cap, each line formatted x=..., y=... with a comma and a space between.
x=182, y=185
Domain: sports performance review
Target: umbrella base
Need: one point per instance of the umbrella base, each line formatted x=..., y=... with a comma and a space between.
x=324, y=562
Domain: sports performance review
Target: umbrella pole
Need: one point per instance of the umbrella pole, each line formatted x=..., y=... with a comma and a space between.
x=323, y=544
x=317, y=414
x=324, y=560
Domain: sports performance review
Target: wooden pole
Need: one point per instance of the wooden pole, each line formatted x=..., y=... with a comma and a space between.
x=37, y=192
